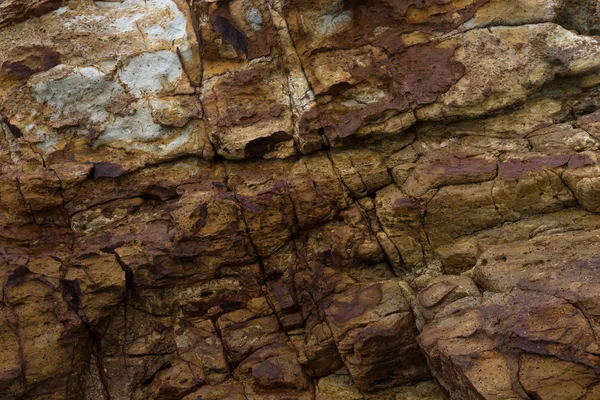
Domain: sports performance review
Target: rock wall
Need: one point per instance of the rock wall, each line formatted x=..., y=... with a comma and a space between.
x=300, y=199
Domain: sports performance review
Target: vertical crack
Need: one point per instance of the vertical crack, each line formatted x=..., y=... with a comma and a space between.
x=199, y=39
x=102, y=375
x=362, y=211
x=243, y=220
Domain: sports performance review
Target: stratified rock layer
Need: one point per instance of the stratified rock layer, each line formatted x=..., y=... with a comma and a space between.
x=299, y=199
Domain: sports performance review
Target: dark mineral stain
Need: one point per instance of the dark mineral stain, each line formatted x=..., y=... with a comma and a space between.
x=14, y=130
x=107, y=170
x=426, y=72
x=72, y=292
x=148, y=381
x=92, y=134
x=159, y=193
x=261, y=146
x=112, y=247
x=17, y=275
x=515, y=168
x=231, y=34
x=30, y=61
x=89, y=255
x=358, y=301
x=203, y=214
x=219, y=185
x=128, y=277
x=579, y=161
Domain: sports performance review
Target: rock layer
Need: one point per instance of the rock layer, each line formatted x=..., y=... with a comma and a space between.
x=299, y=199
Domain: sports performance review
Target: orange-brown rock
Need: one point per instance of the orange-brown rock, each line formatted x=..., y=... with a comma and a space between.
x=512, y=345
x=299, y=199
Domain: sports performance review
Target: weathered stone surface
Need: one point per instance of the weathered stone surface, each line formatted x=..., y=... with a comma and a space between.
x=340, y=387
x=511, y=346
x=13, y=11
x=374, y=333
x=443, y=291
x=491, y=83
x=299, y=199
x=107, y=83
x=459, y=256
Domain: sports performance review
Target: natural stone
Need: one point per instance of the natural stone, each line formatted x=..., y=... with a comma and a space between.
x=299, y=199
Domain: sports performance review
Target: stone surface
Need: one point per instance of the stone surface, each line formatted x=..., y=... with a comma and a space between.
x=299, y=199
x=512, y=345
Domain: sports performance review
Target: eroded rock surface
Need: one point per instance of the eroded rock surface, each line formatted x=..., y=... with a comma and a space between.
x=299, y=199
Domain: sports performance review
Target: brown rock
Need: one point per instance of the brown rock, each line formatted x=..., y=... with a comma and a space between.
x=260, y=199
x=507, y=344
x=443, y=291
x=448, y=170
x=227, y=391
x=459, y=256
x=13, y=11
x=401, y=220
x=460, y=210
x=373, y=328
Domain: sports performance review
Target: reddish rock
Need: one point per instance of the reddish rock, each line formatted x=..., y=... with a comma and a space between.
x=374, y=331
x=299, y=199
x=14, y=11
x=509, y=345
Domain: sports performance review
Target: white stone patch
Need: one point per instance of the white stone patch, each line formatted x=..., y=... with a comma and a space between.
x=152, y=72
x=139, y=47
x=328, y=19
x=551, y=9
x=183, y=137
x=139, y=132
x=182, y=342
x=133, y=128
x=106, y=66
x=110, y=4
x=255, y=18
x=171, y=28
x=85, y=91
x=581, y=141
x=126, y=23
x=43, y=140
x=298, y=87
x=187, y=56
x=330, y=24
x=365, y=97
x=87, y=22
x=158, y=20
x=471, y=24
x=380, y=30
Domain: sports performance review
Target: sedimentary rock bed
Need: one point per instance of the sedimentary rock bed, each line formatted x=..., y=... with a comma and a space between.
x=300, y=199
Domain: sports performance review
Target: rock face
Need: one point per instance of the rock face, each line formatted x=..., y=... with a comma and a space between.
x=299, y=199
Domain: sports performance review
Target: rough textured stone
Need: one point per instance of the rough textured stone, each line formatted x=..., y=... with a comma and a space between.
x=511, y=345
x=372, y=326
x=299, y=199
x=13, y=11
